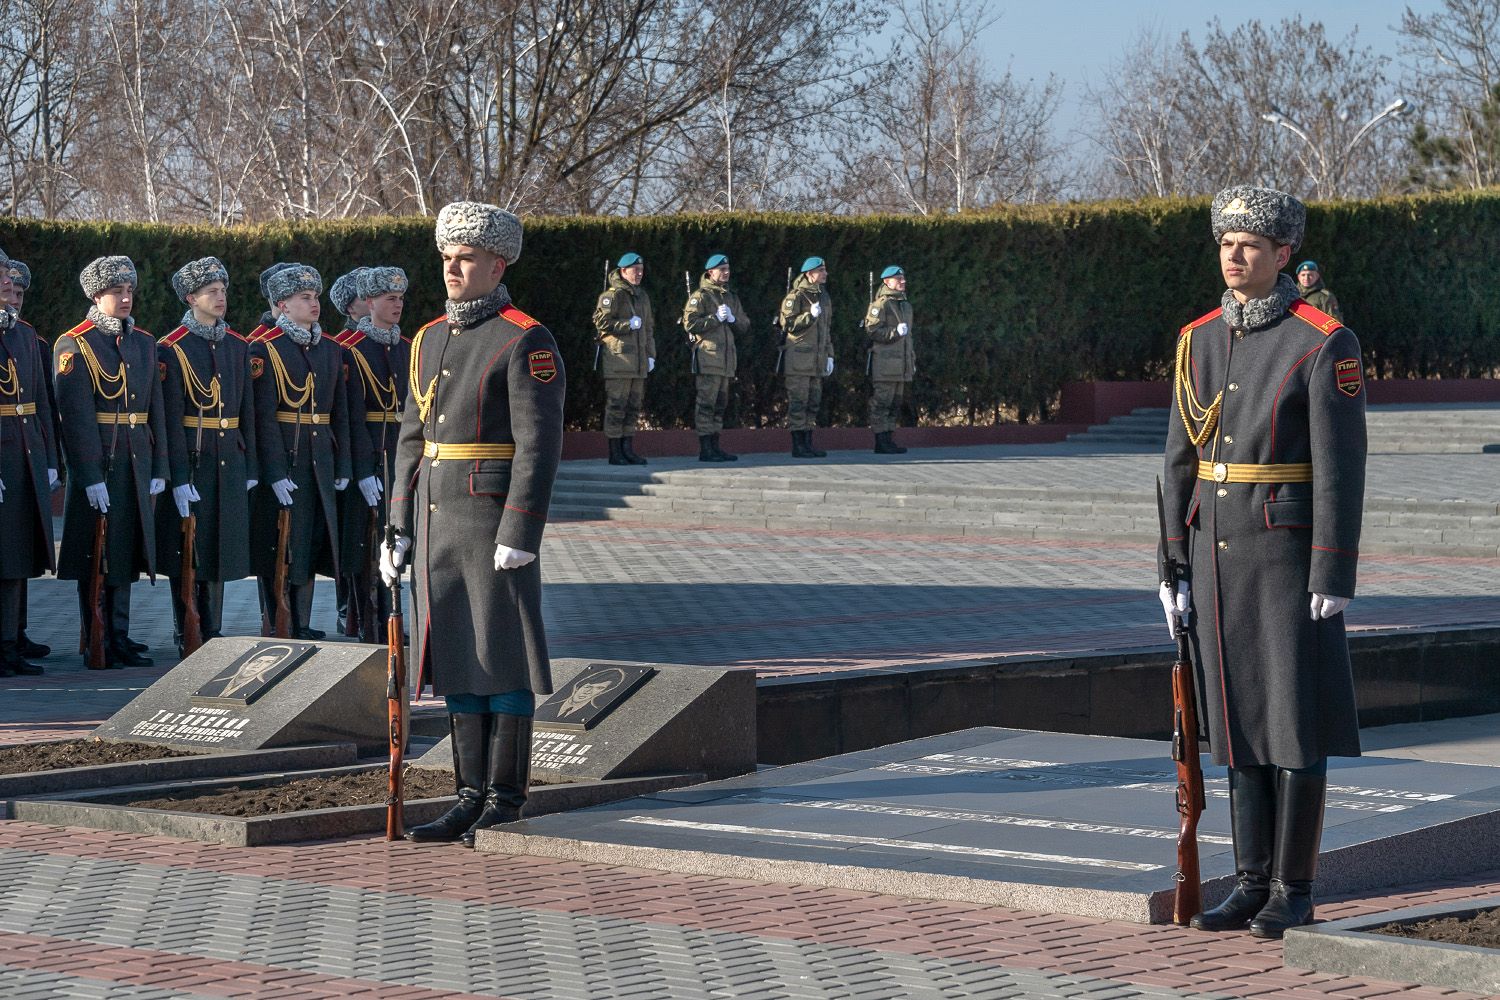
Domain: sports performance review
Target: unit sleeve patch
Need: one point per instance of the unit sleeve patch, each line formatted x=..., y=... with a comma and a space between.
x=65, y=363
x=1348, y=376
x=257, y=367
x=161, y=366
x=543, y=365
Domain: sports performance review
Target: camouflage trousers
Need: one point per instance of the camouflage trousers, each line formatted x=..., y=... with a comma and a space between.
x=885, y=405
x=803, y=395
x=713, y=398
x=622, y=405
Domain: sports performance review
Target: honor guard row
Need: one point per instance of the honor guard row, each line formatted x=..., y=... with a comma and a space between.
x=625, y=332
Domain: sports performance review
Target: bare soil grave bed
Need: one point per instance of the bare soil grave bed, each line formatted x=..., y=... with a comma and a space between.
x=272, y=796
x=1479, y=930
x=27, y=757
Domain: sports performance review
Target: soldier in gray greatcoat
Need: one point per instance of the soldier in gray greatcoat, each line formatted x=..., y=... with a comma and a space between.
x=626, y=332
x=20, y=276
x=807, y=354
x=712, y=317
x=480, y=445
x=210, y=416
x=893, y=361
x=1265, y=467
x=115, y=444
x=28, y=468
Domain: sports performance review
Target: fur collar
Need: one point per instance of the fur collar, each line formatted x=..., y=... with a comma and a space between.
x=472, y=312
x=1256, y=314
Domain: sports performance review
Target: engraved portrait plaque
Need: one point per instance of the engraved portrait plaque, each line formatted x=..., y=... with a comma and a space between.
x=252, y=673
x=578, y=705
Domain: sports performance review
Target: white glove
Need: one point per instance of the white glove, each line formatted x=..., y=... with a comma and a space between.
x=723, y=314
x=816, y=310
x=98, y=495
x=650, y=365
x=901, y=330
x=829, y=369
x=157, y=485
x=509, y=558
x=250, y=484
x=370, y=487
x=283, y=490
x=392, y=561
x=635, y=322
x=1324, y=606
x=340, y=485
x=1180, y=607
x=52, y=479
x=184, y=495
x=2, y=491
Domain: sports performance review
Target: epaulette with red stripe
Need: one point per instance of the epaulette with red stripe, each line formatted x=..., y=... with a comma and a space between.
x=272, y=332
x=513, y=315
x=350, y=338
x=257, y=333
x=1311, y=314
x=432, y=323
x=1206, y=317
x=80, y=329
x=234, y=333
x=173, y=337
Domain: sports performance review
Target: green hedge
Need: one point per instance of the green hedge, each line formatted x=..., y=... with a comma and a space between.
x=1009, y=305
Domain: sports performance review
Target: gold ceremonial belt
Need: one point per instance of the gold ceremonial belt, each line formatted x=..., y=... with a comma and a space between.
x=1229, y=472
x=122, y=418
x=466, y=452
x=301, y=418
x=383, y=417
x=211, y=423
x=19, y=410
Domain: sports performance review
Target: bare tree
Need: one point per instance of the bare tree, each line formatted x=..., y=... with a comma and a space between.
x=1454, y=62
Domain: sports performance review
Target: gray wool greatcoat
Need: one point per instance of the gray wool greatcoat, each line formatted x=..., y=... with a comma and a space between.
x=479, y=630
x=374, y=428
x=139, y=450
x=1274, y=686
x=27, y=450
x=225, y=456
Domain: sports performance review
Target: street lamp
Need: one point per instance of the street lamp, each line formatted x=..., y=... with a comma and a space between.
x=1324, y=179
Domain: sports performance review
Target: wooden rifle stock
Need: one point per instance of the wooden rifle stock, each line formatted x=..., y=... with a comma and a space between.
x=395, y=703
x=93, y=634
x=283, y=625
x=192, y=622
x=1188, y=899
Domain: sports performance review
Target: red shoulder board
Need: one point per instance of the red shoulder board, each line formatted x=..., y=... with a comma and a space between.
x=516, y=316
x=173, y=337
x=256, y=334
x=349, y=339
x=1309, y=313
x=270, y=334
x=340, y=337
x=233, y=333
x=1206, y=317
x=429, y=325
x=80, y=329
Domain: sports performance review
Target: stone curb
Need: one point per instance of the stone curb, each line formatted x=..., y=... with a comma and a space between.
x=144, y=772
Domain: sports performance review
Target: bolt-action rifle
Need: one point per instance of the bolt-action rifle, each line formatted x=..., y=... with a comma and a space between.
x=192, y=621
x=283, y=629
x=395, y=692
x=93, y=637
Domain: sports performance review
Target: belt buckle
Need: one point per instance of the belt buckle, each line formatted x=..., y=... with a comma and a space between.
x=132, y=419
x=224, y=422
x=1221, y=472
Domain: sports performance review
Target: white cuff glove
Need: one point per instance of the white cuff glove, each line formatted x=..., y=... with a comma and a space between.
x=52, y=479
x=635, y=322
x=650, y=365
x=901, y=330
x=509, y=558
x=370, y=487
x=829, y=369
x=183, y=496
x=1180, y=606
x=157, y=485
x=723, y=315
x=250, y=484
x=283, y=490
x=816, y=310
x=1324, y=606
x=340, y=485
x=98, y=495
x=393, y=561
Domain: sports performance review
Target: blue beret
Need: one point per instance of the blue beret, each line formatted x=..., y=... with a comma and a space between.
x=811, y=264
x=891, y=272
x=715, y=261
x=630, y=260
x=1308, y=265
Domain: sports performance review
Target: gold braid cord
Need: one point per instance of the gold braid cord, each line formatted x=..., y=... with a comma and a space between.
x=381, y=390
x=199, y=396
x=1188, y=407
x=10, y=380
x=414, y=374
x=285, y=387
x=98, y=374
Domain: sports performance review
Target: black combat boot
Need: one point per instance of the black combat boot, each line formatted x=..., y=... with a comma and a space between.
x=1299, y=829
x=724, y=456
x=300, y=599
x=807, y=442
x=507, y=775
x=617, y=452
x=32, y=650
x=14, y=663
x=628, y=447
x=799, y=445
x=470, y=734
x=1252, y=822
x=885, y=446
x=706, y=451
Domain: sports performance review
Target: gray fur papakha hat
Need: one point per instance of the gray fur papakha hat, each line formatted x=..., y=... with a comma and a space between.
x=197, y=273
x=373, y=281
x=107, y=272
x=265, y=277
x=1266, y=212
x=20, y=274
x=292, y=279
x=345, y=289
x=475, y=224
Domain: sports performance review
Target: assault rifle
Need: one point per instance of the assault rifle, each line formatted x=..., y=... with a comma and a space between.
x=780, y=329
x=599, y=337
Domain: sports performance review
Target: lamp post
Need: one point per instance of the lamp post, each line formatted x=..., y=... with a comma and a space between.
x=1328, y=181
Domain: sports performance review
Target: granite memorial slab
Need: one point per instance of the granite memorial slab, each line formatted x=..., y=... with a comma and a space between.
x=1040, y=821
x=609, y=719
x=247, y=693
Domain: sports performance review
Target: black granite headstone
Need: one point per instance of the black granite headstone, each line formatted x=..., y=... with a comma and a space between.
x=578, y=705
x=252, y=673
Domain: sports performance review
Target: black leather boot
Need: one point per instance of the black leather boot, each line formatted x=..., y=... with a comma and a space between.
x=470, y=734
x=706, y=451
x=300, y=599
x=616, y=452
x=508, y=774
x=724, y=456
x=13, y=662
x=1252, y=822
x=628, y=448
x=32, y=650
x=799, y=446
x=885, y=446
x=1299, y=830
x=812, y=450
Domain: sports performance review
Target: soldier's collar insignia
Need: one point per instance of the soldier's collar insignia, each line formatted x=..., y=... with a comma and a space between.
x=543, y=365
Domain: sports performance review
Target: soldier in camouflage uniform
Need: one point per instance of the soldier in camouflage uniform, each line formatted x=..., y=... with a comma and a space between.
x=1310, y=282
x=627, y=337
x=1263, y=489
x=807, y=353
x=893, y=362
x=712, y=316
